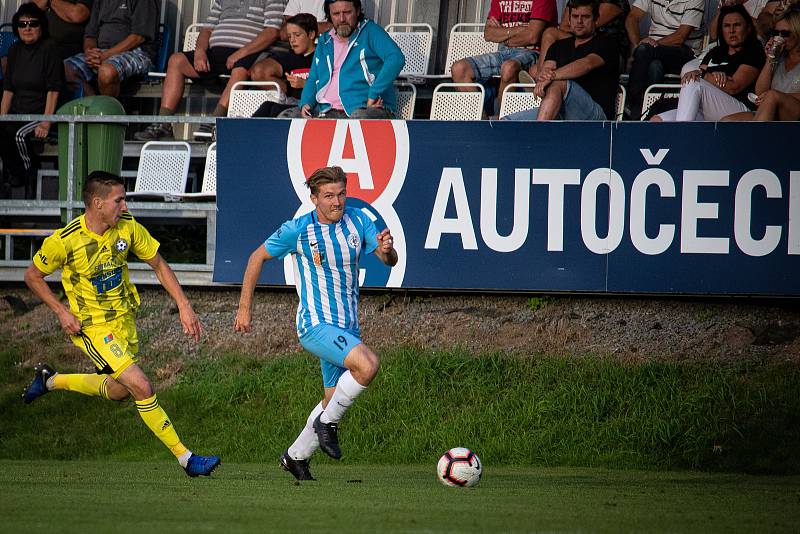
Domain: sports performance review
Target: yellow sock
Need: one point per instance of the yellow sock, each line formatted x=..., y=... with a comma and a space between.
x=157, y=420
x=92, y=385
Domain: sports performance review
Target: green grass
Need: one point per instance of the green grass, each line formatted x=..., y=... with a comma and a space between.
x=536, y=411
x=41, y=496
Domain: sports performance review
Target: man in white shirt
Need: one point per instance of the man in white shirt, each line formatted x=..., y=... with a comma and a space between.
x=675, y=37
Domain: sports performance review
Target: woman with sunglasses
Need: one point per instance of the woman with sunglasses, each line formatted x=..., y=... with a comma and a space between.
x=726, y=74
x=34, y=77
x=777, y=91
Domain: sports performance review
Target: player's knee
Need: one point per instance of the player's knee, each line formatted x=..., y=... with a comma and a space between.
x=363, y=365
x=140, y=389
x=370, y=366
x=117, y=392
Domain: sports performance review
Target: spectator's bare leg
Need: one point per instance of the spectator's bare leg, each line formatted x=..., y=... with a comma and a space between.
x=238, y=74
x=779, y=106
x=461, y=72
x=268, y=70
x=108, y=80
x=75, y=80
x=509, y=73
x=553, y=98
x=178, y=69
x=738, y=117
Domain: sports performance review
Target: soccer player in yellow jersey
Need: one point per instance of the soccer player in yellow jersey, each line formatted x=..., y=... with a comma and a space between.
x=92, y=253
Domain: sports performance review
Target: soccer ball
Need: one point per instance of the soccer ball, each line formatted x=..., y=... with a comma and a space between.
x=459, y=467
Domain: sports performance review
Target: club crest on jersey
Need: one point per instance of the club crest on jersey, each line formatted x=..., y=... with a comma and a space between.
x=121, y=245
x=374, y=154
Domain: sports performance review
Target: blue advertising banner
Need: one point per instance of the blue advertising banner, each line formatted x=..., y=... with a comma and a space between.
x=698, y=208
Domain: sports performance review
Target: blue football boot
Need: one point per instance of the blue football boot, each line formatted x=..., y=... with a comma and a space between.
x=201, y=465
x=38, y=386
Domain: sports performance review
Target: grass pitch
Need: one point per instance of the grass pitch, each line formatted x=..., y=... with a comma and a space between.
x=120, y=497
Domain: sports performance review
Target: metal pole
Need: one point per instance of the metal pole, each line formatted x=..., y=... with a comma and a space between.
x=70, y=169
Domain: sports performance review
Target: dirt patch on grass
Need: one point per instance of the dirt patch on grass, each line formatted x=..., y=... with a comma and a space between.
x=630, y=329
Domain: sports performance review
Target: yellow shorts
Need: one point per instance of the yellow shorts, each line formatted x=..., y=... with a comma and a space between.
x=111, y=346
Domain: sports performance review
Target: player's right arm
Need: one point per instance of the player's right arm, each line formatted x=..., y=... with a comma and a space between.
x=35, y=280
x=251, y=275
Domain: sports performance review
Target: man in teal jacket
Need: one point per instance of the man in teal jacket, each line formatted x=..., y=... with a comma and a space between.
x=353, y=70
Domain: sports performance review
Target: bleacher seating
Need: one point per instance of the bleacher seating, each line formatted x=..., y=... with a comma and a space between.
x=656, y=91
x=451, y=103
x=466, y=43
x=247, y=97
x=518, y=97
x=7, y=38
x=191, y=35
x=209, y=189
x=164, y=51
x=415, y=42
x=406, y=100
x=163, y=171
x=622, y=96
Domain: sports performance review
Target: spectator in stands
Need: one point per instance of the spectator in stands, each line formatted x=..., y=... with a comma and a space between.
x=778, y=84
x=518, y=27
x=268, y=64
x=674, y=37
x=290, y=72
x=727, y=73
x=314, y=7
x=580, y=74
x=353, y=69
x=34, y=79
x=762, y=14
x=754, y=9
x=236, y=35
x=610, y=23
x=120, y=42
x=67, y=21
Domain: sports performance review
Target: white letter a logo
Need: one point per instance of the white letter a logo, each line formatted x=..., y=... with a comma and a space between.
x=359, y=162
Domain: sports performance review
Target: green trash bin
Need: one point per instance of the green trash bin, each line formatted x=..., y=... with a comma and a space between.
x=98, y=146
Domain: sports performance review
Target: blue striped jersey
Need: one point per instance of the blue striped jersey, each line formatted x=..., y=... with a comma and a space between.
x=326, y=260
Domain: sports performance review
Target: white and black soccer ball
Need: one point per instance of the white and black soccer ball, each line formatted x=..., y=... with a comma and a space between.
x=459, y=467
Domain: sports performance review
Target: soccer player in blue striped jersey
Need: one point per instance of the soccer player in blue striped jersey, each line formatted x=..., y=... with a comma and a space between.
x=327, y=245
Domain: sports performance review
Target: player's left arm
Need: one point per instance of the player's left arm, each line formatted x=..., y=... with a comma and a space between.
x=165, y=275
x=385, y=250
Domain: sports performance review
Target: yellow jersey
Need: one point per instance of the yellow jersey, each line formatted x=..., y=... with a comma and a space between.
x=94, y=268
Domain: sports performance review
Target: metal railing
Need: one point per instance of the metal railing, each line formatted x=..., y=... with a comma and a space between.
x=190, y=274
